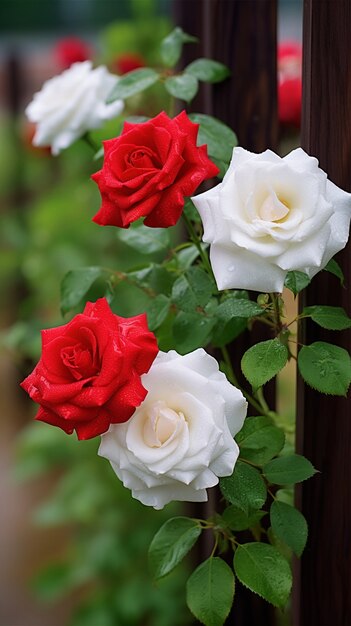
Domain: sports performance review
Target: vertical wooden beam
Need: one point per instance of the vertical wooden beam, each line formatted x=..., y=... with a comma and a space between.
x=242, y=34
x=244, y=37
x=324, y=422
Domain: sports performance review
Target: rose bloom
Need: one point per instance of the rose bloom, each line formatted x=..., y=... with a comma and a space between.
x=149, y=169
x=72, y=103
x=71, y=50
x=180, y=439
x=89, y=374
x=272, y=215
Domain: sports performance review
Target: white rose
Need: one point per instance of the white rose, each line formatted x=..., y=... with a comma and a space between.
x=180, y=439
x=272, y=215
x=72, y=103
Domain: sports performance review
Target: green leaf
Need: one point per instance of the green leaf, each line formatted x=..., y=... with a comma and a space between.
x=245, y=487
x=191, y=211
x=264, y=571
x=289, y=469
x=325, y=367
x=171, y=543
x=225, y=332
x=296, y=281
x=54, y=581
x=228, y=327
x=330, y=317
x=259, y=440
x=289, y=525
x=201, y=284
x=172, y=45
x=76, y=284
x=219, y=138
x=210, y=592
x=183, y=86
x=157, y=311
x=191, y=331
x=334, y=268
x=132, y=83
x=263, y=361
x=208, y=70
x=222, y=166
x=187, y=256
x=193, y=289
x=237, y=519
x=144, y=239
x=238, y=307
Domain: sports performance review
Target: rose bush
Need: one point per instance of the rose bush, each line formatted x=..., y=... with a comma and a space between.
x=72, y=103
x=180, y=439
x=271, y=215
x=89, y=374
x=149, y=169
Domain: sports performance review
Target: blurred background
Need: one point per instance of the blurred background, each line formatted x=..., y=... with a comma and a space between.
x=73, y=543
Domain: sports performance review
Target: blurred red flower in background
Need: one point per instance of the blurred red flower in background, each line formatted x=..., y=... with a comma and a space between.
x=72, y=50
x=127, y=62
x=289, y=83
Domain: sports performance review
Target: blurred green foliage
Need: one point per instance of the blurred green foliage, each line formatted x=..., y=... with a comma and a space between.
x=106, y=558
x=46, y=231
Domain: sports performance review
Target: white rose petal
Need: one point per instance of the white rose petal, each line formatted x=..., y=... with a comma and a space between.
x=72, y=103
x=180, y=439
x=271, y=215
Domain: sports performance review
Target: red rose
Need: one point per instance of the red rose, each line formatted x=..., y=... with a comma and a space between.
x=72, y=50
x=89, y=373
x=149, y=169
x=127, y=62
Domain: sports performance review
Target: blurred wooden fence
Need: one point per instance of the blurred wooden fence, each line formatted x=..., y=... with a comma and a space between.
x=242, y=34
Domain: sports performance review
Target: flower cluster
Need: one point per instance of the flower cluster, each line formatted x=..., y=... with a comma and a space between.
x=173, y=422
x=168, y=420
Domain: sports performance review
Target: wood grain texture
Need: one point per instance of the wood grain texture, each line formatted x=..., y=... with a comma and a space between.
x=322, y=592
x=241, y=34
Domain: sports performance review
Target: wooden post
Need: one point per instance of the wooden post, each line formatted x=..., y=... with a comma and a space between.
x=322, y=591
x=241, y=34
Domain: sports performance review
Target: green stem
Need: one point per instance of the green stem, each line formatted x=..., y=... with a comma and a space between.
x=275, y=301
x=261, y=399
x=195, y=239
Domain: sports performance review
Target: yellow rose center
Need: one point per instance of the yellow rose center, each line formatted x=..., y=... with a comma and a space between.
x=160, y=424
x=273, y=209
